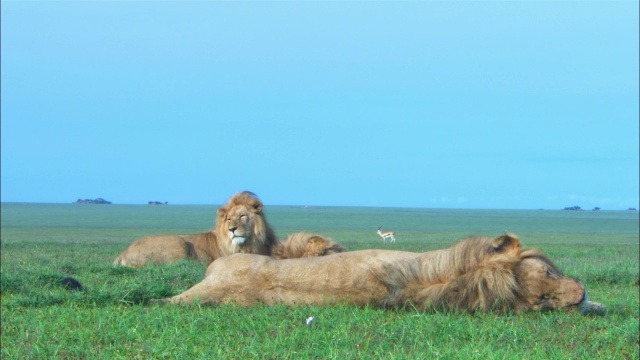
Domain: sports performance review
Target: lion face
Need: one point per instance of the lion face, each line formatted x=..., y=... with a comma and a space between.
x=239, y=224
x=544, y=288
x=241, y=227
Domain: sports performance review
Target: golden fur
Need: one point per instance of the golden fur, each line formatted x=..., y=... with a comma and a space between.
x=476, y=274
x=241, y=227
x=303, y=244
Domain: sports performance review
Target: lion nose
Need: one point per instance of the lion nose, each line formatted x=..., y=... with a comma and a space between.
x=232, y=228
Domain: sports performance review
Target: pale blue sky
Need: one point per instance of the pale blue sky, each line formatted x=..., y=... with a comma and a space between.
x=406, y=104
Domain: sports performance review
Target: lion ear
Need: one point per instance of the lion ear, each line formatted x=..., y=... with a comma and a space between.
x=222, y=212
x=256, y=206
x=506, y=243
x=315, y=240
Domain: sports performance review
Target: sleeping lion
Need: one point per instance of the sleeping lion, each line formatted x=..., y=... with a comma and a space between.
x=476, y=274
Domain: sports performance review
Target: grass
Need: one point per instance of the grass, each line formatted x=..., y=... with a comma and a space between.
x=112, y=317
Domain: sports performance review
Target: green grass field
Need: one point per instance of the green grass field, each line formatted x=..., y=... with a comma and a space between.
x=111, y=318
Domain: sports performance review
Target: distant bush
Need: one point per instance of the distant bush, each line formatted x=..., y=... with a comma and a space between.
x=92, y=201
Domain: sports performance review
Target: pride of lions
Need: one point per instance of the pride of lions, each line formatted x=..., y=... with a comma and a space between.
x=248, y=264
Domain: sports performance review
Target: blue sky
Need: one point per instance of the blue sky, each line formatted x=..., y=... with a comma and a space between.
x=515, y=105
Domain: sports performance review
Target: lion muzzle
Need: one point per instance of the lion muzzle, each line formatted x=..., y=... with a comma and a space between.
x=592, y=307
x=237, y=240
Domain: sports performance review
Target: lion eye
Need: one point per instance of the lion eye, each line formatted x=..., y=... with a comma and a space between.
x=549, y=272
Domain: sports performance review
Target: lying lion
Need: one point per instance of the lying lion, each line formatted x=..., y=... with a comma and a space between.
x=241, y=227
x=476, y=274
x=303, y=244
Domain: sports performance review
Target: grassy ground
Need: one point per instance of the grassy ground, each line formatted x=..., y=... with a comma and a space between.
x=111, y=318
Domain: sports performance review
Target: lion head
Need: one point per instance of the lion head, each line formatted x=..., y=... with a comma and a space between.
x=542, y=285
x=241, y=226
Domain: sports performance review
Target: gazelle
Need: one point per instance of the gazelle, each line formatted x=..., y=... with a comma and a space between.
x=387, y=234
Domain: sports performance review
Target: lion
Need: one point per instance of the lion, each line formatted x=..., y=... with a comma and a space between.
x=304, y=244
x=474, y=275
x=240, y=227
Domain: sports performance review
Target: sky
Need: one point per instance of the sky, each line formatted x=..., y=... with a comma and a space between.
x=464, y=104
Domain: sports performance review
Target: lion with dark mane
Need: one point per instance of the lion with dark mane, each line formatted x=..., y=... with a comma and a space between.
x=304, y=244
x=476, y=274
x=241, y=227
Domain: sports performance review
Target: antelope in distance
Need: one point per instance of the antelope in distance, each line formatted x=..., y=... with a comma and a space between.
x=387, y=235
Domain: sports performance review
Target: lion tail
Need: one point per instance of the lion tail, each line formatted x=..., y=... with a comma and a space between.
x=191, y=251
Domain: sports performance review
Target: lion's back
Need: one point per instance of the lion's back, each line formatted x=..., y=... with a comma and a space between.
x=161, y=249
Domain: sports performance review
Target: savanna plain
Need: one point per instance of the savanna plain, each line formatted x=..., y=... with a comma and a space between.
x=112, y=317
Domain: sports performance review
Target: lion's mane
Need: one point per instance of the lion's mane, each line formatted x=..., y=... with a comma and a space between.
x=483, y=274
x=474, y=274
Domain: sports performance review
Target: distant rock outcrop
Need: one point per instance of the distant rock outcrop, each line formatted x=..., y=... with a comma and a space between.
x=92, y=201
x=158, y=203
